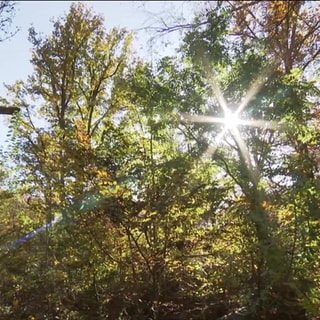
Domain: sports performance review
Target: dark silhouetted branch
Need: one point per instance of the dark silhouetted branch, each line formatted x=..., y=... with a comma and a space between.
x=8, y=110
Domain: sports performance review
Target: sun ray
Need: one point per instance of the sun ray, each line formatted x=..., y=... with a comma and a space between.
x=231, y=121
x=245, y=155
x=263, y=124
x=254, y=89
x=212, y=149
x=216, y=89
x=202, y=118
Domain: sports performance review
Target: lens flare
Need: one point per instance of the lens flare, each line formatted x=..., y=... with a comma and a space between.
x=88, y=202
x=231, y=119
x=32, y=234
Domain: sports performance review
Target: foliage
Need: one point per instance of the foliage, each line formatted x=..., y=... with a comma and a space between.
x=157, y=223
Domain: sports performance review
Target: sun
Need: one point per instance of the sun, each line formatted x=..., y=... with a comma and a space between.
x=230, y=120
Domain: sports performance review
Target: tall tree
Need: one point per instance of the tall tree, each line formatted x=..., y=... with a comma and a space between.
x=289, y=29
x=75, y=92
x=74, y=71
x=253, y=163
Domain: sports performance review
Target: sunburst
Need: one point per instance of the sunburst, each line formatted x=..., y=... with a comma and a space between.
x=231, y=120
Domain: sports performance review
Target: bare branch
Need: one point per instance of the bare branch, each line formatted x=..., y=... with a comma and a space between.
x=7, y=11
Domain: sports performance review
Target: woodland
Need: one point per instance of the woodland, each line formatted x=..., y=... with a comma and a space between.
x=182, y=188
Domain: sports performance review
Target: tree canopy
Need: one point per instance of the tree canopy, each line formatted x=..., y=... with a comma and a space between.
x=137, y=198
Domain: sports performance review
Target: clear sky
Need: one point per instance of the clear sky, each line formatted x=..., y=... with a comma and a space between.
x=134, y=15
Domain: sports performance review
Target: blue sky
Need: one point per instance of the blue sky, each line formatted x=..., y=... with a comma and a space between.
x=135, y=15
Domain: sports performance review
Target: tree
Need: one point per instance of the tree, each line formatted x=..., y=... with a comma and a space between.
x=73, y=70
x=7, y=9
x=108, y=169
x=252, y=163
x=6, y=14
x=290, y=30
x=76, y=71
x=158, y=223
